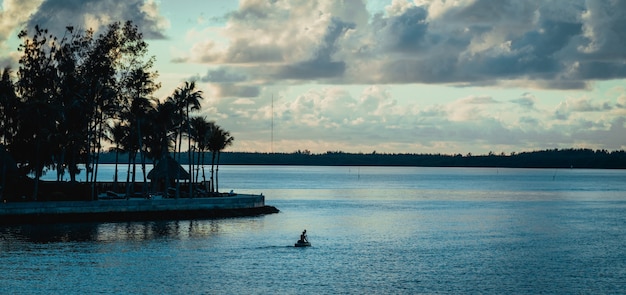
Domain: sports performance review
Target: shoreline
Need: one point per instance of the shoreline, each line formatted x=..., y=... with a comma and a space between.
x=241, y=205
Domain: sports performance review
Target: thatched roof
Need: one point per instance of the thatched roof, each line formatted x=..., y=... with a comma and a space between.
x=168, y=167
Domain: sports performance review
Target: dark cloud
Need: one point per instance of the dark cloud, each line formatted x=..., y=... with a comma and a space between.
x=601, y=70
x=310, y=70
x=533, y=54
x=437, y=69
x=55, y=15
x=237, y=90
x=223, y=75
x=405, y=32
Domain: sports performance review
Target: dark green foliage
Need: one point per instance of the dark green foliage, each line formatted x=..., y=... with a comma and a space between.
x=68, y=90
x=76, y=92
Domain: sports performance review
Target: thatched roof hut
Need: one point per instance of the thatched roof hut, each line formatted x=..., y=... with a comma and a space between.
x=168, y=168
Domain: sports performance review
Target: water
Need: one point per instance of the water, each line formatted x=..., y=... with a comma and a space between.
x=374, y=230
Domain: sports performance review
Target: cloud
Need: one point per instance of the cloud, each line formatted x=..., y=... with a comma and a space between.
x=223, y=75
x=12, y=15
x=5, y=62
x=285, y=39
x=334, y=118
x=404, y=32
x=579, y=105
x=237, y=90
x=526, y=101
x=554, y=44
x=603, y=28
x=55, y=15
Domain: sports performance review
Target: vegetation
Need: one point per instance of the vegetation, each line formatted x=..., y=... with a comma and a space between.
x=74, y=93
x=554, y=158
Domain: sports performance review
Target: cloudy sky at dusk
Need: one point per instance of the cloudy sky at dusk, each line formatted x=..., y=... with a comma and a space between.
x=387, y=76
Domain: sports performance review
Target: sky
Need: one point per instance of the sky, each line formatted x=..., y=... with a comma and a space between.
x=427, y=76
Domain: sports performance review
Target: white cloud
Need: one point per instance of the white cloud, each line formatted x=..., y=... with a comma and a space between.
x=13, y=15
x=580, y=105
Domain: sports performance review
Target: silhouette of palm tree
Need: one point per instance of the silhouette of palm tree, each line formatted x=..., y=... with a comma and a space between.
x=220, y=140
x=186, y=98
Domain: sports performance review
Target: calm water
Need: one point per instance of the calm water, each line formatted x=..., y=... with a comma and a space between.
x=373, y=230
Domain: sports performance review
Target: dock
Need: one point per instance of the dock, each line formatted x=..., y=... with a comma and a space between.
x=134, y=209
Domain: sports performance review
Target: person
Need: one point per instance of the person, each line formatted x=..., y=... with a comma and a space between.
x=303, y=237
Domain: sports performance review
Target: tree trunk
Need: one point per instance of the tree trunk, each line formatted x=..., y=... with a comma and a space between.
x=97, y=157
x=37, y=172
x=60, y=167
x=189, y=158
x=117, y=157
x=203, y=176
x=217, y=170
x=143, y=158
x=198, y=156
x=130, y=154
x=180, y=140
x=212, y=166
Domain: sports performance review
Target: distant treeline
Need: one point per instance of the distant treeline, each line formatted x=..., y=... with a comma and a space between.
x=554, y=158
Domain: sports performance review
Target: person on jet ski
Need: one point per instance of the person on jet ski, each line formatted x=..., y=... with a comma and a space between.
x=303, y=237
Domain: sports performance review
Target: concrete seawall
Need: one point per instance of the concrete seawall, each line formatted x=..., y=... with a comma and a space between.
x=134, y=209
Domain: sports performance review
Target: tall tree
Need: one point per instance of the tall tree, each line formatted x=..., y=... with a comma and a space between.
x=201, y=130
x=9, y=102
x=137, y=83
x=223, y=140
x=8, y=110
x=36, y=85
x=186, y=99
x=118, y=136
x=161, y=130
x=160, y=134
x=219, y=140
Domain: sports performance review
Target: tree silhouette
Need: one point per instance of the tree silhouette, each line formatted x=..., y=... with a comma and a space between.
x=201, y=131
x=186, y=98
x=75, y=92
x=220, y=139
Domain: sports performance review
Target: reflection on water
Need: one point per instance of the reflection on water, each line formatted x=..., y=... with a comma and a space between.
x=115, y=232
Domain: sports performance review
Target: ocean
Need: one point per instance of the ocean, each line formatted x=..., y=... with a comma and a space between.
x=374, y=230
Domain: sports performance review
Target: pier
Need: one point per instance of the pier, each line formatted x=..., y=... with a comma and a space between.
x=134, y=209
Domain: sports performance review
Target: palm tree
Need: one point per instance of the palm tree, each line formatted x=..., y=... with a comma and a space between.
x=201, y=130
x=160, y=134
x=186, y=99
x=139, y=110
x=220, y=139
x=160, y=130
x=224, y=141
x=118, y=135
